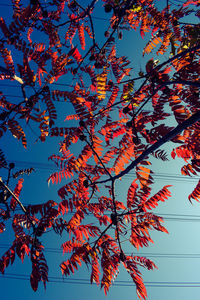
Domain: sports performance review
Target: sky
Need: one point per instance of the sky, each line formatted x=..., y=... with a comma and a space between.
x=176, y=254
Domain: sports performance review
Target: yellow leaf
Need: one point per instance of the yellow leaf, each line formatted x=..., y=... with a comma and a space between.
x=101, y=85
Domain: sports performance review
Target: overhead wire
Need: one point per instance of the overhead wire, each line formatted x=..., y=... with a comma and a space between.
x=176, y=178
x=52, y=84
x=55, y=100
x=158, y=175
x=166, y=217
x=127, y=283
x=162, y=176
x=145, y=254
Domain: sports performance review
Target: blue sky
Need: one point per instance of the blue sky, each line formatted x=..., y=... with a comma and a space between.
x=176, y=254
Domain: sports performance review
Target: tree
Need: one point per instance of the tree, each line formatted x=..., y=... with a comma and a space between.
x=109, y=145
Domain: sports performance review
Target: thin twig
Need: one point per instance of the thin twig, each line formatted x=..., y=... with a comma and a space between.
x=133, y=79
x=99, y=159
x=102, y=234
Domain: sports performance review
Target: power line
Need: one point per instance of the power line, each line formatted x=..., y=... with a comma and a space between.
x=56, y=84
x=46, y=165
x=157, y=175
x=166, y=217
x=170, y=177
x=144, y=254
x=54, y=100
x=169, y=217
x=84, y=281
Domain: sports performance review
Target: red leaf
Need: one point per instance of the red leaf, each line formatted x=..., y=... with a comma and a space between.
x=2, y=227
x=17, y=191
x=34, y=282
x=195, y=194
x=81, y=36
x=131, y=194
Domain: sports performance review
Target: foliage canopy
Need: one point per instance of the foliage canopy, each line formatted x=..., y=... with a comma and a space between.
x=115, y=134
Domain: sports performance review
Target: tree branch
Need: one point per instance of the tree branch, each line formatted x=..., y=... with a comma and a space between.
x=185, y=124
x=158, y=67
x=14, y=196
